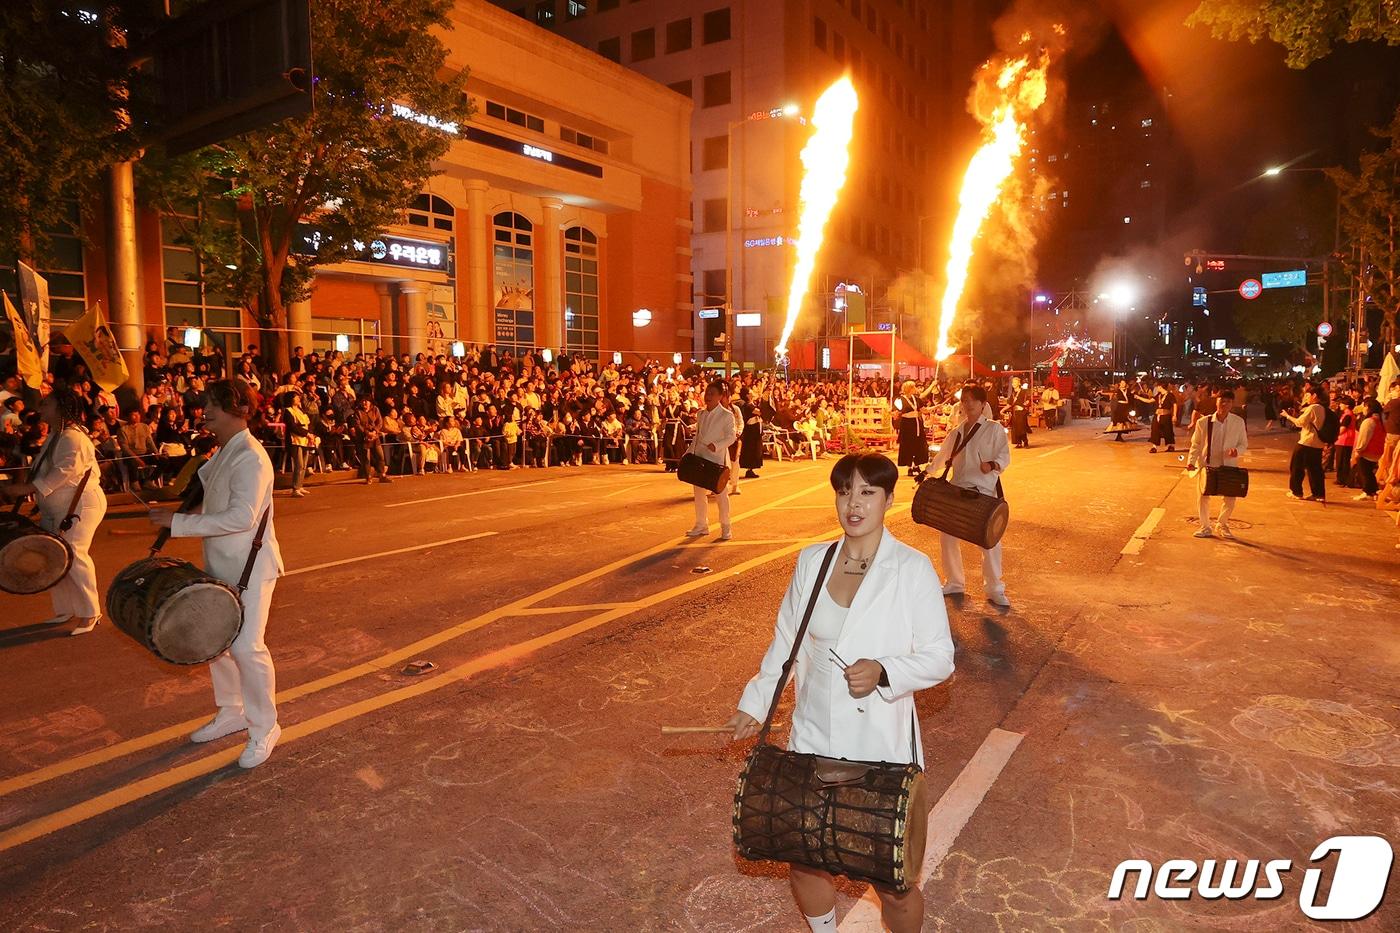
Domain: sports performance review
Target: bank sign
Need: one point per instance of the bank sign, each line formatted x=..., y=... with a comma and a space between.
x=387, y=250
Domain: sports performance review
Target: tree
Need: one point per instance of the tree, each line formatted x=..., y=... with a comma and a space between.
x=1307, y=29
x=351, y=167
x=62, y=84
x=1370, y=205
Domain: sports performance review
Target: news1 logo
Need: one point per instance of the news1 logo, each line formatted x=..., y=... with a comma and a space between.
x=1359, y=879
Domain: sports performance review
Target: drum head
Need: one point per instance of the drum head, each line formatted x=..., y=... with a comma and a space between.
x=916, y=833
x=32, y=563
x=196, y=623
x=996, y=524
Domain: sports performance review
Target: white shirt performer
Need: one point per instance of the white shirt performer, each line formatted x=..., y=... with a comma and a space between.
x=979, y=466
x=714, y=433
x=66, y=463
x=1223, y=433
x=237, y=492
x=879, y=609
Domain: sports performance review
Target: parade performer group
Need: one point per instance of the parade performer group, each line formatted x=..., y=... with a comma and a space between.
x=237, y=507
x=65, y=481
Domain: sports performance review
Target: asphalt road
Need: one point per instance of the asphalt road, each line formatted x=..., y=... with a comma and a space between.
x=1150, y=695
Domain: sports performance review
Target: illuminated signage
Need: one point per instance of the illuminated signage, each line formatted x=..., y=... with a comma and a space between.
x=748, y=319
x=762, y=242
x=504, y=143
x=885, y=325
x=408, y=113
x=383, y=250
x=1291, y=279
x=1215, y=265
x=709, y=314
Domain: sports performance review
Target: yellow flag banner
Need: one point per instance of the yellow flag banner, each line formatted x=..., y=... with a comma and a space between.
x=93, y=340
x=27, y=361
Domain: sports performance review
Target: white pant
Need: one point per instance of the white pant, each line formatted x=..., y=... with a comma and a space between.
x=1226, y=510
x=76, y=594
x=243, y=676
x=953, y=566
x=702, y=508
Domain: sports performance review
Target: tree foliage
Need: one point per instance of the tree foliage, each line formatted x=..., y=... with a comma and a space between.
x=1307, y=29
x=61, y=89
x=1370, y=203
x=350, y=168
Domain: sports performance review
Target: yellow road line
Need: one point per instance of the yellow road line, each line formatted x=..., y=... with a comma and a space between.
x=179, y=730
x=559, y=610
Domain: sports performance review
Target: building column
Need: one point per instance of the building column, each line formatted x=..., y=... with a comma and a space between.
x=549, y=295
x=481, y=326
x=123, y=272
x=415, y=298
x=299, y=323
x=389, y=322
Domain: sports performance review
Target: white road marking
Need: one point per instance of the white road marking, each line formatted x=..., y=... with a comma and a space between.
x=946, y=820
x=1051, y=453
x=401, y=550
x=474, y=492
x=1144, y=531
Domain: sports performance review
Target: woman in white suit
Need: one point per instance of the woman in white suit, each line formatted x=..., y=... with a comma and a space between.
x=66, y=463
x=880, y=607
x=237, y=495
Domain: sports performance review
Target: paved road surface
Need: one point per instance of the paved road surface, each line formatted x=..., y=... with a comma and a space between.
x=1150, y=695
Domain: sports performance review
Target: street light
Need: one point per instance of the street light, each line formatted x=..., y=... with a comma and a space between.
x=1274, y=172
x=787, y=111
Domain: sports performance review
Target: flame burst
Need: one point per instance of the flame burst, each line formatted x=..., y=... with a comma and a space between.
x=1018, y=91
x=825, y=160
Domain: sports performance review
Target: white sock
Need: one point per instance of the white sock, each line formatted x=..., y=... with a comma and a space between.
x=826, y=923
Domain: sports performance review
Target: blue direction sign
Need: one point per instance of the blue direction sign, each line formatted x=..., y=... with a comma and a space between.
x=1292, y=279
x=1250, y=289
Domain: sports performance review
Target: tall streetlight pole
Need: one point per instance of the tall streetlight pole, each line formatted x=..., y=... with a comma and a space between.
x=777, y=113
x=1274, y=172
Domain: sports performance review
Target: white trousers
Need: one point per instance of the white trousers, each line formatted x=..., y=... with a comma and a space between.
x=1226, y=510
x=953, y=565
x=702, y=508
x=76, y=594
x=243, y=676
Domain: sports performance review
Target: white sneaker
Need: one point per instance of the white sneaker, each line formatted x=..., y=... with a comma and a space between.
x=224, y=723
x=1205, y=533
x=1224, y=531
x=1361, y=497
x=951, y=590
x=260, y=749
x=999, y=599
x=697, y=532
x=724, y=534
x=84, y=629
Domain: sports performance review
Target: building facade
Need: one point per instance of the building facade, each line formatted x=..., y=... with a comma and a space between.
x=743, y=64
x=559, y=218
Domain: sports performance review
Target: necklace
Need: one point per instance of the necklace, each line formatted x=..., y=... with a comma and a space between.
x=864, y=563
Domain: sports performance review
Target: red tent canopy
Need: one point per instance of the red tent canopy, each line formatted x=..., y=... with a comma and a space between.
x=904, y=353
x=963, y=362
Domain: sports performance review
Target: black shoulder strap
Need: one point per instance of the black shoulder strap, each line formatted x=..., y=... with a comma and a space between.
x=962, y=442
x=253, y=551
x=797, y=641
x=1210, y=438
x=72, y=515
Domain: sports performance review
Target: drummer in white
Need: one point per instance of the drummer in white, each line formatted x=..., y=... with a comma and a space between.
x=67, y=478
x=714, y=433
x=237, y=494
x=979, y=465
x=879, y=608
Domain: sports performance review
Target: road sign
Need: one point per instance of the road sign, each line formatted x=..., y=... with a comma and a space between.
x=1324, y=329
x=1295, y=278
x=1198, y=297
x=1250, y=289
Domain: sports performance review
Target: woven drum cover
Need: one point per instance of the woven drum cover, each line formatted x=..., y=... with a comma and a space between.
x=973, y=517
x=784, y=812
x=196, y=624
x=33, y=562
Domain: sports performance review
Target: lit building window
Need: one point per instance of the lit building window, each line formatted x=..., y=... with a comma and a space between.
x=189, y=300
x=513, y=272
x=580, y=289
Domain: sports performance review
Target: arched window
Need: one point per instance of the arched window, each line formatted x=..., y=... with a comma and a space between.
x=514, y=275
x=580, y=289
x=429, y=210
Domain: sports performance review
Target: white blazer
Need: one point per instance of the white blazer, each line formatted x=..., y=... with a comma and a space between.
x=1227, y=435
x=237, y=488
x=63, y=469
x=898, y=619
x=714, y=427
x=988, y=445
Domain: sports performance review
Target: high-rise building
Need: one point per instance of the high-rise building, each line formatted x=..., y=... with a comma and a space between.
x=751, y=68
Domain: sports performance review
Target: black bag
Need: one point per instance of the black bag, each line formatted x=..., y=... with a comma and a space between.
x=1223, y=480
x=697, y=471
x=1331, y=426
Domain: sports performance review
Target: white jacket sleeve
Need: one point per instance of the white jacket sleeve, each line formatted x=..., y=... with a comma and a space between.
x=245, y=492
x=931, y=660
x=63, y=468
x=1197, y=456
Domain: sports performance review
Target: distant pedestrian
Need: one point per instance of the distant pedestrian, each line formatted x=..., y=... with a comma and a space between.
x=1164, y=419
x=1307, y=454
x=714, y=434
x=1370, y=447
x=1346, y=439
x=369, y=438
x=1217, y=441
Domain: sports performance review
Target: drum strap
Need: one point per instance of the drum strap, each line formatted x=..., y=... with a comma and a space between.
x=72, y=515
x=253, y=552
x=958, y=448
x=797, y=641
x=1210, y=437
